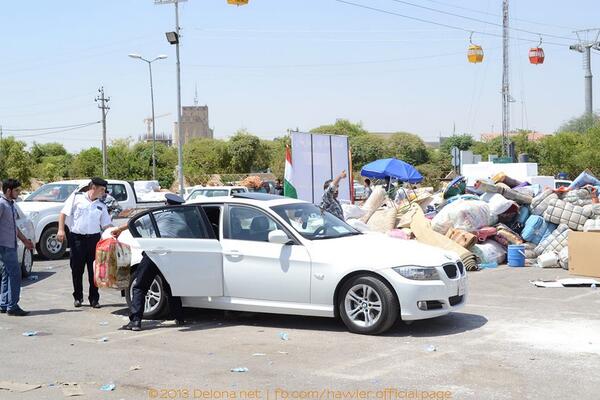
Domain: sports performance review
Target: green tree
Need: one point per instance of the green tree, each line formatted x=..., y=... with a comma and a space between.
x=408, y=147
x=247, y=153
x=580, y=124
x=204, y=156
x=41, y=150
x=166, y=160
x=341, y=127
x=463, y=142
x=561, y=153
x=52, y=161
x=15, y=161
x=87, y=163
x=367, y=148
x=120, y=159
x=276, y=149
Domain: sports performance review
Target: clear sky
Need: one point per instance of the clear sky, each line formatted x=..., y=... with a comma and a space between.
x=279, y=64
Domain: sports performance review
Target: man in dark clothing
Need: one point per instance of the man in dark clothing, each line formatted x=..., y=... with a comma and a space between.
x=329, y=201
x=10, y=270
x=145, y=274
x=278, y=188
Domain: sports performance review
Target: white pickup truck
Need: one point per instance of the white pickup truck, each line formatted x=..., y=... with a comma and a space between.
x=44, y=205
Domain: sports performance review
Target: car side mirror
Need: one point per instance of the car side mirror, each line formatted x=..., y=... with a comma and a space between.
x=279, y=236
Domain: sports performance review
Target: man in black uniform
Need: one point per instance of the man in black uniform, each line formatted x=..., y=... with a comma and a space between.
x=144, y=275
x=86, y=216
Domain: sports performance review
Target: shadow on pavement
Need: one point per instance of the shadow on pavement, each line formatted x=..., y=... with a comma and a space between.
x=40, y=277
x=51, y=311
x=446, y=325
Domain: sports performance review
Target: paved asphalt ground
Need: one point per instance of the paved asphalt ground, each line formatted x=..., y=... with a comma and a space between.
x=511, y=341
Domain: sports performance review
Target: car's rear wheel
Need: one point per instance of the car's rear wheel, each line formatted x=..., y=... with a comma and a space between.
x=156, y=304
x=367, y=305
x=49, y=246
x=27, y=263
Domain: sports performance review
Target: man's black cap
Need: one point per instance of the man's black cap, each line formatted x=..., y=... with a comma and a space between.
x=173, y=199
x=99, y=181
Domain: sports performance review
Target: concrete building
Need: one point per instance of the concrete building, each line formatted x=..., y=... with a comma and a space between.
x=160, y=138
x=194, y=123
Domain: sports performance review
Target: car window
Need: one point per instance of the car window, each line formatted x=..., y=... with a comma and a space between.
x=118, y=191
x=238, y=191
x=53, y=193
x=180, y=223
x=144, y=228
x=313, y=223
x=247, y=223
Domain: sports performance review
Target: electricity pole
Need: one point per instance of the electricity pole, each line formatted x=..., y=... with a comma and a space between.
x=104, y=108
x=505, y=81
x=584, y=47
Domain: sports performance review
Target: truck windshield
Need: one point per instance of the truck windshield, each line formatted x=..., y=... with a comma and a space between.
x=53, y=192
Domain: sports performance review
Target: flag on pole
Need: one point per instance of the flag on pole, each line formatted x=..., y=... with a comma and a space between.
x=288, y=181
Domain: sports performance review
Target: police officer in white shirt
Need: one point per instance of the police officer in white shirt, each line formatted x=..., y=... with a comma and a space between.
x=86, y=216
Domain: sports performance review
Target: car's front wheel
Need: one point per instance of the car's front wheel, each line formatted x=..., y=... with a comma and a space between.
x=367, y=305
x=49, y=247
x=27, y=263
x=156, y=303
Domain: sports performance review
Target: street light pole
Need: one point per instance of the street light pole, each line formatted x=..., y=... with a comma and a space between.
x=179, y=132
x=153, y=125
x=161, y=57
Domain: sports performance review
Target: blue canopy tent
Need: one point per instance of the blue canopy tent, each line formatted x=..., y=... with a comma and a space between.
x=392, y=168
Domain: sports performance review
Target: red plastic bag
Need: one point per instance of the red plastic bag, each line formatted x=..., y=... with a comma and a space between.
x=108, y=251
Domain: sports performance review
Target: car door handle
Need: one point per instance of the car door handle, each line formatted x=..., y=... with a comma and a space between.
x=160, y=252
x=233, y=254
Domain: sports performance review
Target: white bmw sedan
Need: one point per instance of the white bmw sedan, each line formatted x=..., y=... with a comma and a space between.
x=263, y=253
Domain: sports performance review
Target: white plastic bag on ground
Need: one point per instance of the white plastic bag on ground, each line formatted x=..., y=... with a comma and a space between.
x=489, y=251
x=352, y=211
x=468, y=215
x=563, y=258
x=498, y=204
x=358, y=225
x=548, y=260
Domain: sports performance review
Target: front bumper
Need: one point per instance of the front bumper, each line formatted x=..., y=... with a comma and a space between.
x=429, y=299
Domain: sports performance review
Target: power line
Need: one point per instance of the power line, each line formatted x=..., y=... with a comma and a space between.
x=500, y=16
x=436, y=23
x=478, y=20
x=58, y=131
x=53, y=127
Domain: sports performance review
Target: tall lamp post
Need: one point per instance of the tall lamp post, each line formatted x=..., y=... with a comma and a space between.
x=161, y=57
x=173, y=38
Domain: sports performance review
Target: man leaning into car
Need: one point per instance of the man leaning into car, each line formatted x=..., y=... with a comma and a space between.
x=9, y=265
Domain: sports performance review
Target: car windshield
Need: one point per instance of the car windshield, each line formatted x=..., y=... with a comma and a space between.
x=313, y=223
x=53, y=192
x=200, y=193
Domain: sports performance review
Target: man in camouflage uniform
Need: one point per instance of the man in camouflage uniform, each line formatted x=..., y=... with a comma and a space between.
x=330, y=202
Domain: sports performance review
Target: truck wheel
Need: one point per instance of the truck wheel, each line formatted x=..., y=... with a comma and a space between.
x=49, y=246
x=156, y=303
x=27, y=263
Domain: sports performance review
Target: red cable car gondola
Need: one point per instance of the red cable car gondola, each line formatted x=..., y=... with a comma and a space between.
x=536, y=54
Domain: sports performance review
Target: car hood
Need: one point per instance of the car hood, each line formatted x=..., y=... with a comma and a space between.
x=378, y=251
x=29, y=206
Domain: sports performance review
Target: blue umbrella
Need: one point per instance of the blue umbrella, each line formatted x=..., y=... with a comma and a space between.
x=391, y=167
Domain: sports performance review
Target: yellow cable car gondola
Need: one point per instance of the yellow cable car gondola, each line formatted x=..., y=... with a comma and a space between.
x=237, y=2
x=475, y=52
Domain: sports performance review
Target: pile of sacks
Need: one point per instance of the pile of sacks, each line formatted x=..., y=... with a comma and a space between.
x=480, y=223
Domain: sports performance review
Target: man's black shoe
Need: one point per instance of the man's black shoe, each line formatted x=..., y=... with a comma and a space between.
x=77, y=303
x=17, y=312
x=2, y=310
x=95, y=304
x=179, y=322
x=133, y=326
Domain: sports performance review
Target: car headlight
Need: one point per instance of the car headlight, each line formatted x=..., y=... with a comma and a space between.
x=417, y=273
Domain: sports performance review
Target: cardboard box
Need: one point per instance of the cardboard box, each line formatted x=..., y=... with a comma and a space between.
x=584, y=253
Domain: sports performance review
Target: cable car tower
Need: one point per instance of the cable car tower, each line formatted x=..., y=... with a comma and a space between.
x=584, y=46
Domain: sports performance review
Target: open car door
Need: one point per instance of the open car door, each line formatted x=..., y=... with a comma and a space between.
x=180, y=241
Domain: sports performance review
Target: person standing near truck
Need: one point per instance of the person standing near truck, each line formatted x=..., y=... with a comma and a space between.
x=86, y=216
x=10, y=270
